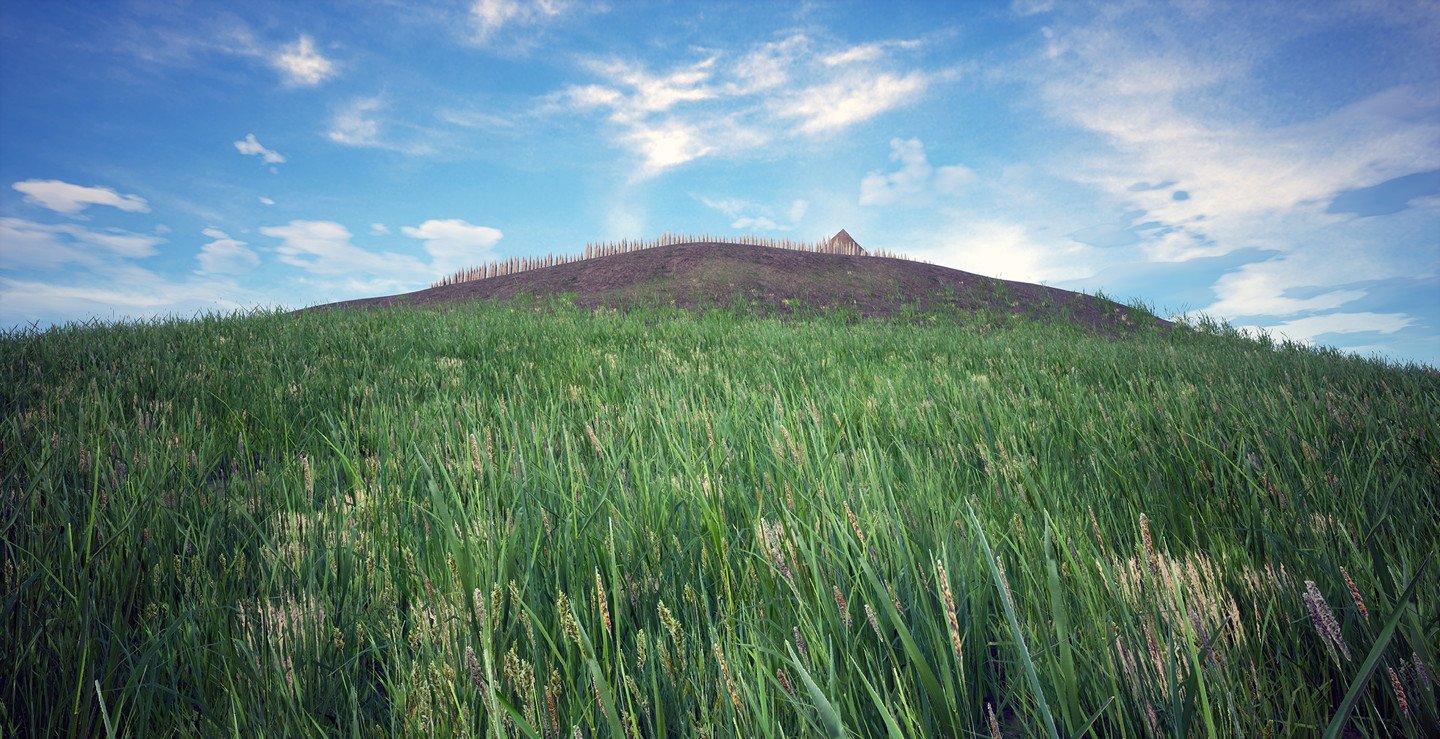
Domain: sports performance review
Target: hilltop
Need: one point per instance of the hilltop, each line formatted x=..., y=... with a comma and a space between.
x=773, y=279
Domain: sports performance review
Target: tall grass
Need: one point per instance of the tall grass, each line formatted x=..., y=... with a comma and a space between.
x=493, y=521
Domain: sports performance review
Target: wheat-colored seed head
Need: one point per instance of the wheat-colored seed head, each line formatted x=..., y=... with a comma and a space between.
x=601, y=600
x=1355, y=594
x=951, y=618
x=841, y=605
x=725, y=673
x=1399, y=691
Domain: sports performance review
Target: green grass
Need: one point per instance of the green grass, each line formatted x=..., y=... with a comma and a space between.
x=498, y=521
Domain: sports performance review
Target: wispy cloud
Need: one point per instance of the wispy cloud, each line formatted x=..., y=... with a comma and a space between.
x=363, y=123
x=70, y=199
x=857, y=95
x=916, y=182
x=179, y=35
x=745, y=215
x=515, y=24
x=28, y=244
x=865, y=53
x=1179, y=110
x=128, y=293
x=66, y=272
x=224, y=255
x=723, y=104
x=250, y=146
x=1307, y=330
x=302, y=65
x=324, y=247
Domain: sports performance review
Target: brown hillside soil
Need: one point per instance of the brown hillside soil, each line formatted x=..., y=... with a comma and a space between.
x=705, y=275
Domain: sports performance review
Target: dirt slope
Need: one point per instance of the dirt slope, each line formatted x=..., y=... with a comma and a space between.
x=717, y=274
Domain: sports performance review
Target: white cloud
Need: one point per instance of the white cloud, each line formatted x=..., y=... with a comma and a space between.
x=1008, y=250
x=63, y=197
x=915, y=182
x=726, y=103
x=454, y=244
x=362, y=123
x=853, y=55
x=648, y=93
x=250, y=146
x=858, y=95
x=301, y=64
x=356, y=124
x=1260, y=288
x=224, y=255
x=798, y=209
x=511, y=22
x=379, y=229
x=748, y=216
x=266, y=201
x=1307, y=329
x=29, y=244
x=667, y=144
x=760, y=223
x=866, y=53
x=92, y=273
x=128, y=292
x=770, y=66
x=324, y=247
x=953, y=178
x=1031, y=7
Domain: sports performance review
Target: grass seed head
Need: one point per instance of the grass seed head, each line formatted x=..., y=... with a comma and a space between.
x=601, y=600
x=1420, y=669
x=1355, y=594
x=855, y=524
x=841, y=605
x=952, y=619
x=566, y=615
x=1150, y=557
x=473, y=664
x=874, y=623
x=1323, y=618
x=725, y=673
x=1099, y=538
x=1399, y=690
x=784, y=682
x=307, y=474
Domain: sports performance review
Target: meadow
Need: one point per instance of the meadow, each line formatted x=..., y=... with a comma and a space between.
x=536, y=521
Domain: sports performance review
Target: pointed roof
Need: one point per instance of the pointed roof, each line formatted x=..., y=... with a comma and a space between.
x=842, y=242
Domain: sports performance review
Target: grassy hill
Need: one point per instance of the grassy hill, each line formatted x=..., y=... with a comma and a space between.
x=483, y=519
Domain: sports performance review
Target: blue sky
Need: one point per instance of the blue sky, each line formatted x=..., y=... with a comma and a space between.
x=1273, y=164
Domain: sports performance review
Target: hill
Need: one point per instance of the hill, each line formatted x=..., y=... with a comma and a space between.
x=484, y=520
x=710, y=274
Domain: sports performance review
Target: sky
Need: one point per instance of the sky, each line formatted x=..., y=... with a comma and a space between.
x=1275, y=165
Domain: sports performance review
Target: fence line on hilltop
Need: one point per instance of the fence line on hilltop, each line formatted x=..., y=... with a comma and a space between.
x=595, y=250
